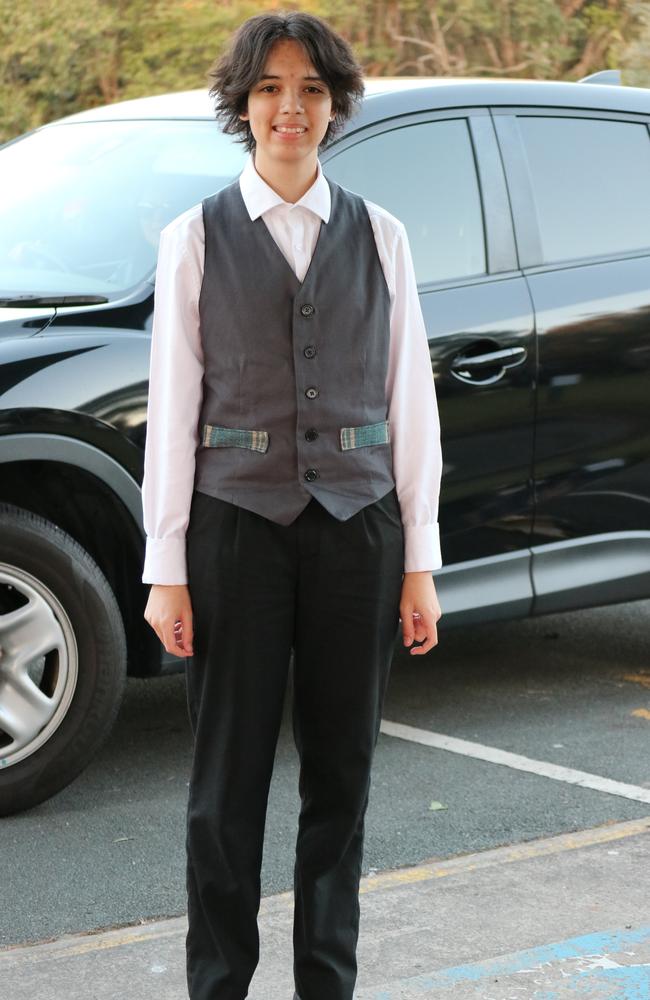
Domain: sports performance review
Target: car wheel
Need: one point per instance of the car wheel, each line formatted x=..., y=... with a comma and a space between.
x=62, y=659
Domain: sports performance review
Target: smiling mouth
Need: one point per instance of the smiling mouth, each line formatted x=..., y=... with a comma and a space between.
x=289, y=129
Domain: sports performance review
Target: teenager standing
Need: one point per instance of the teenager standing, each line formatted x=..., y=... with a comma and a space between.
x=292, y=474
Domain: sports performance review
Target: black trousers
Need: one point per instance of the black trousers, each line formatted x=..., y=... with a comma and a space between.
x=330, y=590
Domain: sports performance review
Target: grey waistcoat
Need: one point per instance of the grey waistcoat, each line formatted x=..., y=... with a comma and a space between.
x=294, y=402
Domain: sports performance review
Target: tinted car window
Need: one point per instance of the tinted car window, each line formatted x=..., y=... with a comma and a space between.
x=425, y=175
x=591, y=184
x=82, y=205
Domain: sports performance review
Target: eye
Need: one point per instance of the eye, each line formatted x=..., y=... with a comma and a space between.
x=267, y=86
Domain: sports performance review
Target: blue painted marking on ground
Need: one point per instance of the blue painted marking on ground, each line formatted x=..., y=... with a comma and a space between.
x=601, y=966
x=627, y=983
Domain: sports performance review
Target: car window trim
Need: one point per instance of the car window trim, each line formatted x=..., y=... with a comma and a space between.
x=498, y=230
x=520, y=186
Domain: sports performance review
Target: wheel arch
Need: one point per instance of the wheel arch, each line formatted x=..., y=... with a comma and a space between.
x=88, y=494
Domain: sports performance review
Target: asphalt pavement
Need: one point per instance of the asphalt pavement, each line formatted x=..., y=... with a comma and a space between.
x=506, y=836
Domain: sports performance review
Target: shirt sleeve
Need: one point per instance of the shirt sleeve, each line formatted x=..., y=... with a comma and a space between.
x=412, y=409
x=174, y=402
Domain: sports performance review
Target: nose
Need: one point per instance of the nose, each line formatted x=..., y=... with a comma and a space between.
x=291, y=102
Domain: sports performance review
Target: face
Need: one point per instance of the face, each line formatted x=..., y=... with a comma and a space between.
x=289, y=108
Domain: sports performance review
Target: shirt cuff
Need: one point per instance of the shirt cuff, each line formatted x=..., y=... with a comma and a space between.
x=165, y=561
x=422, y=548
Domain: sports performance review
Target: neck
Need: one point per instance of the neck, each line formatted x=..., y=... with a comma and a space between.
x=289, y=180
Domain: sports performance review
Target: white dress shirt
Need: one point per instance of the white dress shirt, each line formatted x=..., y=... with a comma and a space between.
x=176, y=372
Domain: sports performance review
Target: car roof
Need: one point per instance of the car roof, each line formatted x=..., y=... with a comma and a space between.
x=388, y=96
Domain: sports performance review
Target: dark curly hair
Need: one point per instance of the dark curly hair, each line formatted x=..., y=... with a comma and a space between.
x=237, y=71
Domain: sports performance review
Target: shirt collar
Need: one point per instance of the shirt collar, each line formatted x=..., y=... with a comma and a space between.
x=259, y=197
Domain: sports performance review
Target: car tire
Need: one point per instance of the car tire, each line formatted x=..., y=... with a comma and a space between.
x=62, y=659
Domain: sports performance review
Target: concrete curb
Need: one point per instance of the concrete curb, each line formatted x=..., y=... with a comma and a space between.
x=560, y=917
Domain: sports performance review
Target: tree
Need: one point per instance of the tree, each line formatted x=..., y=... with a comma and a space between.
x=541, y=39
x=62, y=56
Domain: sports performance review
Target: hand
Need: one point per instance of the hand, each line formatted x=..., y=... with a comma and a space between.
x=169, y=612
x=419, y=611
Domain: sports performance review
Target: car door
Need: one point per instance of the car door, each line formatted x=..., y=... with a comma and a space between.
x=440, y=174
x=580, y=188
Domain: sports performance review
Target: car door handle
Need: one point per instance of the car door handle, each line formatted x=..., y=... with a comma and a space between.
x=485, y=366
x=507, y=357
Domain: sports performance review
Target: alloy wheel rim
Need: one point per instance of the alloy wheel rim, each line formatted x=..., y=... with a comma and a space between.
x=38, y=664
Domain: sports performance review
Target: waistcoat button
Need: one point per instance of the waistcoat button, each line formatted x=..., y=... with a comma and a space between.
x=311, y=434
x=311, y=474
x=309, y=351
x=308, y=309
x=311, y=392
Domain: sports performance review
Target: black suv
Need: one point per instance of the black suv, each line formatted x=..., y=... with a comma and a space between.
x=527, y=206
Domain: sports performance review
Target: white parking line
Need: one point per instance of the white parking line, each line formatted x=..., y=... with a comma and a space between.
x=495, y=756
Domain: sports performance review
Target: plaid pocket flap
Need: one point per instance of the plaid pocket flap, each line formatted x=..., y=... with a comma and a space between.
x=230, y=437
x=358, y=437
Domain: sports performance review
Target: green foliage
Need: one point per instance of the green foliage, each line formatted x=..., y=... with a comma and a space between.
x=634, y=56
x=62, y=56
x=53, y=55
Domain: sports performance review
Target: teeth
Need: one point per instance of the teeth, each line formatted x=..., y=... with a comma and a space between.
x=284, y=128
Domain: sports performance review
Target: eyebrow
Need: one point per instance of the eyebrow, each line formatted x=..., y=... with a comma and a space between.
x=270, y=77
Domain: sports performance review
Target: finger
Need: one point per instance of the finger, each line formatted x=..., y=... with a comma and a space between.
x=164, y=637
x=408, y=631
x=171, y=639
x=419, y=628
x=422, y=627
x=189, y=635
x=418, y=625
x=431, y=640
x=183, y=636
